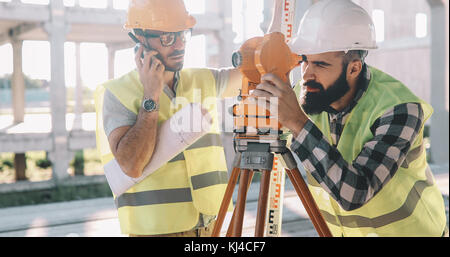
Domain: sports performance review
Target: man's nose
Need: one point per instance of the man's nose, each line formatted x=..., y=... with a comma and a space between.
x=308, y=73
x=179, y=43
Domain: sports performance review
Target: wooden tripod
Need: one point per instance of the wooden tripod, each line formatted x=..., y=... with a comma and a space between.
x=257, y=155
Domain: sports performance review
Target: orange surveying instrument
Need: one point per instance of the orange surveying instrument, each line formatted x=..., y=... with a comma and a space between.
x=257, y=136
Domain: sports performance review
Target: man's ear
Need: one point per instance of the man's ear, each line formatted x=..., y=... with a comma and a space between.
x=354, y=69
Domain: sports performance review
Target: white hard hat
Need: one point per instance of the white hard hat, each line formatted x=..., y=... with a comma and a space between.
x=334, y=25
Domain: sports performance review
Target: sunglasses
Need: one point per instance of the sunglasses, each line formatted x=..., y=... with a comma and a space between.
x=169, y=38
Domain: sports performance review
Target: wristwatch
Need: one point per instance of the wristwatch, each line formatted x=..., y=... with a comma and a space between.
x=149, y=105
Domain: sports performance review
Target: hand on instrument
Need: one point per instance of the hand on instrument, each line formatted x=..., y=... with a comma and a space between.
x=151, y=72
x=281, y=101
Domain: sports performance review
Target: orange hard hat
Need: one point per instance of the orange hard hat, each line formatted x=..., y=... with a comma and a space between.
x=162, y=15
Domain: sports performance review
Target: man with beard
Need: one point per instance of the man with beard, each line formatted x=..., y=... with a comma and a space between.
x=183, y=196
x=357, y=130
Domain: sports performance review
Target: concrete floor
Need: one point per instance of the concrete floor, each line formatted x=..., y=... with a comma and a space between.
x=98, y=217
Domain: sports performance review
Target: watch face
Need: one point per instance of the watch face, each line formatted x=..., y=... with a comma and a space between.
x=149, y=105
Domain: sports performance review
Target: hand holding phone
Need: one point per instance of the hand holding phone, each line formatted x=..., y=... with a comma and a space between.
x=150, y=68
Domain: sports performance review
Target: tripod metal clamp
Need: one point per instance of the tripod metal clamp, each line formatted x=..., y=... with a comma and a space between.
x=289, y=160
x=257, y=160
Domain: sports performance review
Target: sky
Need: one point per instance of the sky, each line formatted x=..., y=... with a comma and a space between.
x=94, y=56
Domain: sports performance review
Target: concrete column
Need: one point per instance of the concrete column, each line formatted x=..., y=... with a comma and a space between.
x=224, y=42
x=439, y=87
x=111, y=59
x=18, y=83
x=267, y=14
x=18, y=103
x=57, y=29
x=226, y=35
x=77, y=125
x=20, y=165
x=110, y=4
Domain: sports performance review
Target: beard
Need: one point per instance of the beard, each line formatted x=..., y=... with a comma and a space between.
x=317, y=102
x=178, y=65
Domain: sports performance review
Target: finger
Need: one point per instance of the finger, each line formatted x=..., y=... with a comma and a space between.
x=147, y=61
x=161, y=67
x=152, y=52
x=267, y=86
x=275, y=80
x=150, y=55
x=155, y=63
x=257, y=93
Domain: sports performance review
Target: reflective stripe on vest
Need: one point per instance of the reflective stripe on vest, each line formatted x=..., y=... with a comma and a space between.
x=412, y=155
x=209, y=179
x=177, y=195
x=355, y=221
x=206, y=140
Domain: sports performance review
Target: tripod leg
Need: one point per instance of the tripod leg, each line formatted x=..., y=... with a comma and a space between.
x=305, y=195
x=262, y=203
x=230, y=227
x=227, y=197
x=240, y=204
x=309, y=203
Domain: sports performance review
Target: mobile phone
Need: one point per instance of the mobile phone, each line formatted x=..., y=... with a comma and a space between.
x=138, y=45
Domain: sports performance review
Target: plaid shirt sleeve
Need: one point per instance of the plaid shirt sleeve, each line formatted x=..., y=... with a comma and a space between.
x=353, y=184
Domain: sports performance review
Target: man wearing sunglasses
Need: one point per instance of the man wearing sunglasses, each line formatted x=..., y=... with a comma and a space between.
x=170, y=55
x=181, y=198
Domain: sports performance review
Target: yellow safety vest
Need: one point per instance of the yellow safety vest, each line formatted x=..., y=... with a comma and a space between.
x=410, y=204
x=170, y=199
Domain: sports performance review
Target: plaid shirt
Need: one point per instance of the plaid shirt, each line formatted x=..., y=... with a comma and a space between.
x=353, y=184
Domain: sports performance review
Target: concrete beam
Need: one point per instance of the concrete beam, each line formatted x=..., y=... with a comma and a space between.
x=122, y=45
x=439, y=87
x=404, y=44
x=79, y=140
x=22, y=28
x=24, y=12
x=4, y=37
x=24, y=142
x=26, y=186
x=80, y=15
x=87, y=23
x=18, y=30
